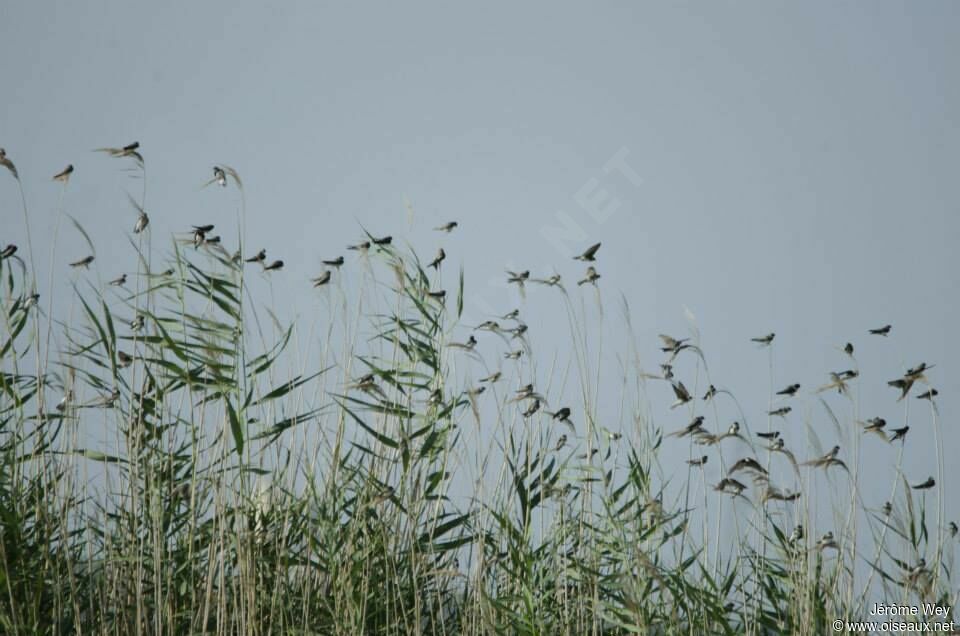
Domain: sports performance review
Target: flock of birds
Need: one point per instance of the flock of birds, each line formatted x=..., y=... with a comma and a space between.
x=529, y=399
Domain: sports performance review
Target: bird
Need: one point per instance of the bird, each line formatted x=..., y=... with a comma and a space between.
x=838, y=381
x=730, y=486
x=782, y=411
x=904, y=384
x=468, y=345
x=105, y=400
x=711, y=391
x=200, y=234
x=899, y=433
x=493, y=377
x=64, y=175
x=770, y=435
x=952, y=528
x=259, y=257
x=360, y=247
x=518, y=277
x=764, y=340
x=435, y=263
x=673, y=345
x=518, y=331
x=336, y=262
x=827, y=541
x=6, y=163
x=386, y=240
x=552, y=281
x=875, y=425
x=830, y=459
x=683, y=396
x=31, y=301
x=219, y=177
x=137, y=323
x=929, y=483
x=747, y=463
x=142, y=222
x=447, y=227
x=83, y=262
x=513, y=355
x=882, y=331
x=929, y=395
x=561, y=414
x=797, y=534
x=916, y=373
x=887, y=508
x=130, y=150
x=475, y=392
x=589, y=254
x=211, y=240
x=124, y=359
x=438, y=295
x=848, y=349
x=533, y=408
x=590, y=277
x=513, y=315
x=274, y=266
x=120, y=281
x=698, y=461
x=561, y=442
x=489, y=325
x=8, y=251
x=790, y=391
x=695, y=425
x=322, y=279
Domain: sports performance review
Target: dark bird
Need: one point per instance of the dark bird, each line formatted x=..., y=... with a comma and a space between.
x=337, y=262
x=929, y=483
x=782, y=411
x=929, y=395
x=259, y=257
x=747, y=463
x=513, y=315
x=274, y=266
x=904, y=384
x=212, y=240
x=561, y=442
x=797, y=534
x=386, y=240
x=683, y=396
x=468, y=345
x=533, y=408
x=64, y=175
x=493, y=377
x=130, y=150
x=827, y=460
x=562, y=414
x=435, y=263
x=916, y=373
x=322, y=279
x=899, y=433
x=219, y=177
x=519, y=330
x=137, y=323
x=790, y=391
x=118, y=282
x=589, y=254
x=711, y=392
x=438, y=295
x=699, y=461
x=730, y=486
x=952, y=528
x=83, y=262
x=764, y=340
x=518, y=277
x=592, y=276
x=447, y=227
x=8, y=251
x=124, y=359
x=827, y=541
x=142, y=222
x=203, y=229
x=31, y=301
x=513, y=355
x=887, y=508
x=770, y=435
x=882, y=331
x=6, y=163
x=489, y=325
x=848, y=349
x=361, y=247
x=875, y=425
x=691, y=428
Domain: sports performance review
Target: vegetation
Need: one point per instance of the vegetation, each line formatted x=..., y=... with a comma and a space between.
x=173, y=465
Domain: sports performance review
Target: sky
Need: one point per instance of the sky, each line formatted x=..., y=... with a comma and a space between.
x=762, y=166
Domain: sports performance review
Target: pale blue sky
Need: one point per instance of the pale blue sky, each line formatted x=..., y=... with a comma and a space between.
x=798, y=161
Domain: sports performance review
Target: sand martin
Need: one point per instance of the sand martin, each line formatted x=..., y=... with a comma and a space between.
x=64, y=175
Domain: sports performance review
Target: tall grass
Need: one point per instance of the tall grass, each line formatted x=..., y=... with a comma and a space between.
x=215, y=471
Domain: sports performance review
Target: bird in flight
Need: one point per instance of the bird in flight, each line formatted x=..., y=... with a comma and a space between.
x=337, y=262
x=764, y=340
x=589, y=254
x=322, y=279
x=882, y=331
x=447, y=227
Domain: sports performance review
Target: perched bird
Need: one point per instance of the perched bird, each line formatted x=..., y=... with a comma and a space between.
x=730, y=486
x=764, y=340
x=468, y=345
x=875, y=425
x=827, y=541
x=489, y=325
x=337, y=262
x=698, y=461
x=928, y=395
x=952, y=528
x=734, y=430
x=65, y=401
x=124, y=359
x=887, y=508
x=513, y=315
x=137, y=323
x=219, y=177
x=211, y=240
x=683, y=396
x=120, y=281
x=31, y=301
x=561, y=442
x=83, y=262
x=105, y=400
x=797, y=534
x=747, y=463
x=533, y=408
x=790, y=391
x=782, y=411
x=561, y=414
x=493, y=377
x=552, y=281
x=360, y=247
x=848, y=349
x=435, y=263
x=518, y=277
x=519, y=330
x=695, y=425
x=142, y=222
x=447, y=227
x=438, y=295
x=830, y=459
x=476, y=392
x=436, y=397
x=8, y=251
x=259, y=257
x=513, y=355
x=916, y=373
x=200, y=234
x=770, y=435
x=899, y=433
x=322, y=279
x=929, y=483
x=64, y=175
x=274, y=266
x=386, y=240
x=589, y=254
x=590, y=277
x=711, y=392
x=882, y=331
x=6, y=163
x=672, y=345
x=130, y=150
